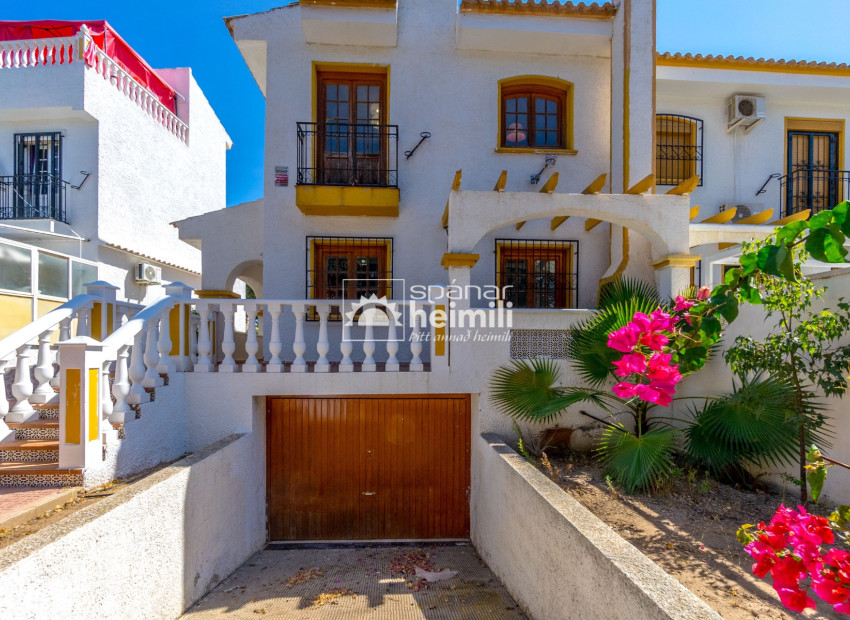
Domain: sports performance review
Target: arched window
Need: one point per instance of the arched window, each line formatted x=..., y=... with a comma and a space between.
x=535, y=114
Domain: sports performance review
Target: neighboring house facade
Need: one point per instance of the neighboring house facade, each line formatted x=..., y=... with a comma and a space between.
x=98, y=154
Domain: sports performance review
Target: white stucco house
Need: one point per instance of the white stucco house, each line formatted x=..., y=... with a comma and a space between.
x=98, y=153
x=484, y=165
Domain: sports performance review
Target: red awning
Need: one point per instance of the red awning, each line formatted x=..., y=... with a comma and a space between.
x=105, y=38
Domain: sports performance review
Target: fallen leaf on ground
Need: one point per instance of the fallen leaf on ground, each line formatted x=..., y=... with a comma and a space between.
x=304, y=575
x=330, y=597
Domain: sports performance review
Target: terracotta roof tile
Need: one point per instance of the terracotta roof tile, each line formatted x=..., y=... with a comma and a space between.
x=543, y=7
x=740, y=62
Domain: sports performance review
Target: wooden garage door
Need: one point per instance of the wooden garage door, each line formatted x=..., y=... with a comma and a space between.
x=348, y=468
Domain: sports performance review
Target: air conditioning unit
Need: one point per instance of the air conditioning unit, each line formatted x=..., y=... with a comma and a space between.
x=745, y=111
x=148, y=274
x=741, y=210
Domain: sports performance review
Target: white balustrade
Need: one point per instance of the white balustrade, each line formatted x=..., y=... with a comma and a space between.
x=151, y=355
x=106, y=402
x=4, y=402
x=204, y=363
x=392, y=364
x=369, y=364
x=346, y=346
x=194, y=327
x=165, y=365
x=64, y=334
x=416, y=364
x=44, y=370
x=120, y=388
x=22, y=410
x=323, y=346
x=228, y=343
x=275, y=345
x=137, y=394
x=299, y=347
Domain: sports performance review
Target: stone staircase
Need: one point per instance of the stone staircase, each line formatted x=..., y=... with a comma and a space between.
x=32, y=459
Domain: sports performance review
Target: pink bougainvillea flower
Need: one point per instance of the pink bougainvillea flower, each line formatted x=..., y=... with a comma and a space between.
x=703, y=293
x=810, y=528
x=682, y=303
x=625, y=389
x=630, y=363
x=659, y=368
x=654, y=341
x=794, y=599
x=624, y=339
x=687, y=317
x=661, y=321
x=641, y=321
x=763, y=554
x=829, y=589
x=652, y=394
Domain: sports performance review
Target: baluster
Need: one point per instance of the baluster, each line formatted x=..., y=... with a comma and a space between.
x=251, y=364
x=165, y=364
x=120, y=388
x=193, y=340
x=204, y=363
x=346, y=347
x=228, y=344
x=4, y=401
x=137, y=394
x=44, y=370
x=415, y=344
x=322, y=346
x=392, y=344
x=83, y=322
x=64, y=334
x=22, y=410
x=275, y=345
x=151, y=356
x=369, y=349
x=106, y=403
x=298, y=345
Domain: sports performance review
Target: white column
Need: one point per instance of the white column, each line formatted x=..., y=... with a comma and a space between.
x=299, y=347
x=323, y=346
x=392, y=344
x=22, y=410
x=252, y=364
x=80, y=407
x=151, y=356
x=193, y=340
x=204, y=363
x=84, y=322
x=137, y=394
x=44, y=371
x=369, y=349
x=275, y=345
x=64, y=334
x=346, y=346
x=120, y=388
x=166, y=364
x=415, y=344
x=228, y=344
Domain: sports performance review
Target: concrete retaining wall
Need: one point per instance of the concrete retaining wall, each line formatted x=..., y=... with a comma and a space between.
x=554, y=556
x=150, y=550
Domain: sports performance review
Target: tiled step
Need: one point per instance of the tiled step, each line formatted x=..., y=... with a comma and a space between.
x=30, y=450
x=37, y=429
x=18, y=474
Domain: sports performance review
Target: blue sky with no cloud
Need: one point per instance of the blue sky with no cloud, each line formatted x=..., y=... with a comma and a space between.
x=179, y=33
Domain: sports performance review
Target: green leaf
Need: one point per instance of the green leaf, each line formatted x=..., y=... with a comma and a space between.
x=777, y=260
x=711, y=326
x=816, y=479
x=729, y=309
x=637, y=463
x=743, y=536
x=789, y=232
x=749, y=262
x=824, y=218
x=840, y=212
x=732, y=276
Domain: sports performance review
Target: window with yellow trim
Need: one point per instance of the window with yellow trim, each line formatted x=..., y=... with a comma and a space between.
x=678, y=149
x=535, y=114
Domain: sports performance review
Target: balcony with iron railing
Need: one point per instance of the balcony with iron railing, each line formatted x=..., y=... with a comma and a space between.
x=815, y=188
x=32, y=196
x=347, y=169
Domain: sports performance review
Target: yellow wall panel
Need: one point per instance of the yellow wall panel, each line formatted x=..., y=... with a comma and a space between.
x=72, y=389
x=94, y=376
x=15, y=313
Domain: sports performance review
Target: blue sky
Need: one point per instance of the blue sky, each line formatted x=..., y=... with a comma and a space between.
x=169, y=33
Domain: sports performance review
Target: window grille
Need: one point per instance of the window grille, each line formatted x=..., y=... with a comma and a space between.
x=348, y=268
x=678, y=149
x=537, y=274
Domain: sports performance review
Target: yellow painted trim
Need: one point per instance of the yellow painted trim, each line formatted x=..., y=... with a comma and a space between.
x=794, y=217
x=642, y=186
x=757, y=218
x=174, y=329
x=353, y=4
x=519, y=225
x=110, y=319
x=525, y=151
x=557, y=221
x=96, y=321
x=539, y=80
x=694, y=212
x=596, y=186
x=685, y=187
x=692, y=143
x=94, y=405
x=440, y=332
x=677, y=260
x=454, y=259
x=722, y=217
x=548, y=9
x=750, y=64
x=73, y=391
x=211, y=293
x=624, y=262
x=500, y=184
x=723, y=246
x=187, y=311
x=590, y=224
x=347, y=201
x=16, y=311
x=551, y=185
x=455, y=187
x=387, y=244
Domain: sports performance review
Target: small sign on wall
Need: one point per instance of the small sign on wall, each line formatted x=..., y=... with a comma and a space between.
x=281, y=176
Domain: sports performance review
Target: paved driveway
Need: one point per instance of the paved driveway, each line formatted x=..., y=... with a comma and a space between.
x=363, y=582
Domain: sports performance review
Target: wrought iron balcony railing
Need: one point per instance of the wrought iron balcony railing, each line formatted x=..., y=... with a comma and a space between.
x=814, y=188
x=347, y=154
x=32, y=196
